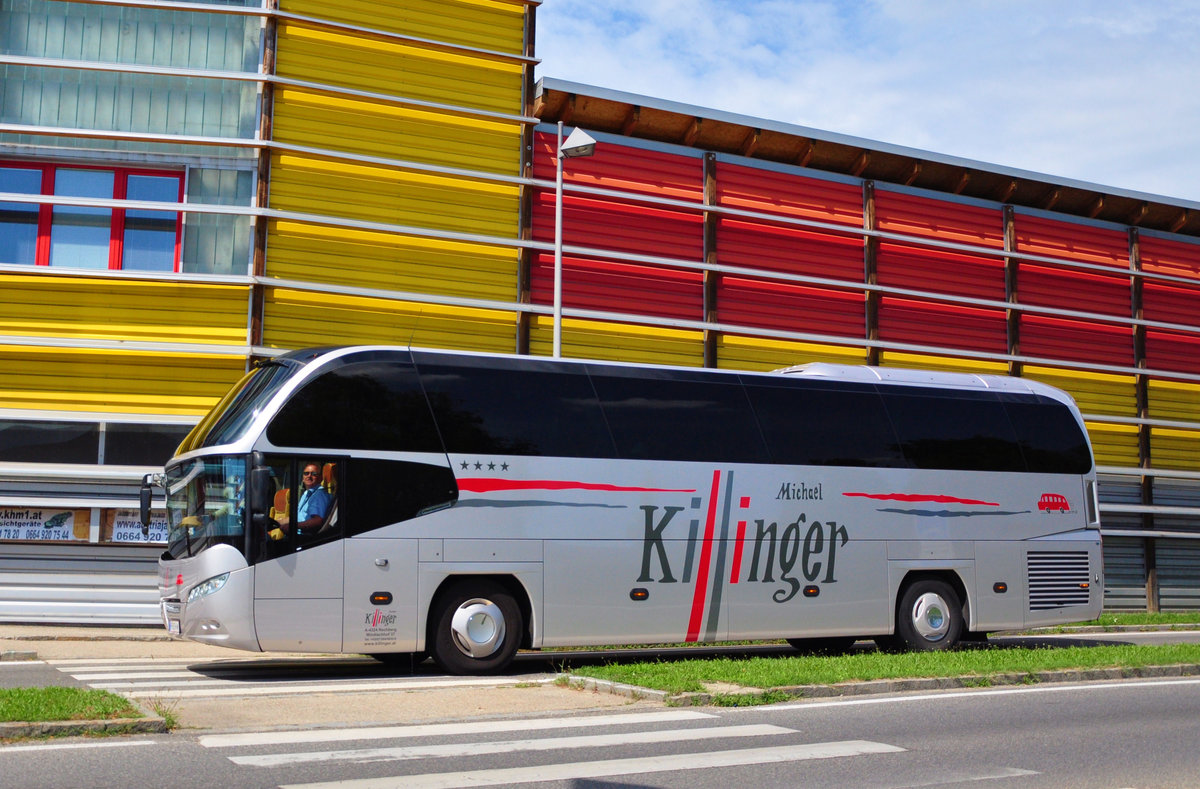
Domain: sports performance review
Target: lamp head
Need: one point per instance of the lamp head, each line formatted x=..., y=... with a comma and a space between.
x=578, y=143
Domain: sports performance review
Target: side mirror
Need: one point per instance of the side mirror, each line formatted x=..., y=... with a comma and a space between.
x=261, y=494
x=145, y=498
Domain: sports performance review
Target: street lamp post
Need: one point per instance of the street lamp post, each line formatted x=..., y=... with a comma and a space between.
x=579, y=143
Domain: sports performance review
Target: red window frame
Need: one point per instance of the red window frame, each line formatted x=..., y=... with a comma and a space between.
x=116, y=239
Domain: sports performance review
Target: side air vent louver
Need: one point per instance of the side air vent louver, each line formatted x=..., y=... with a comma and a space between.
x=1058, y=579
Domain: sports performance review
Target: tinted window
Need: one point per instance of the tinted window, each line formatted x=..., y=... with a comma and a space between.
x=237, y=409
x=526, y=408
x=379, y=492
x=1051, y=439
x=50, y=442
x=813, y=423
x=375, y=404
x=953, y=430
x=141, y=445
x=675, y=415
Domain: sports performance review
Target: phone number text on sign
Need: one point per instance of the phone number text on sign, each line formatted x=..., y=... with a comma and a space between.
x=37, y=524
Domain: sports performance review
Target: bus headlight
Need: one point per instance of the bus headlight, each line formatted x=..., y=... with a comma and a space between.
x=205, y=588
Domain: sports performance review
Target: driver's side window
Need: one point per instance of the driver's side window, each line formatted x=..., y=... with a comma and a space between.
x=304, y=508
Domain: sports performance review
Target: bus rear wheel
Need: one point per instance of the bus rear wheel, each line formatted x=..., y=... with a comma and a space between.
x=475, y=628
x=929, y=617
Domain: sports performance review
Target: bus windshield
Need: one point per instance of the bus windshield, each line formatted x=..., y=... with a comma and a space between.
x=237, y=409
x=206, y=504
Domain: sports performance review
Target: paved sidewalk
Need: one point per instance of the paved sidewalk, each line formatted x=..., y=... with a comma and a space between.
x=31, y=643
x=46, y=642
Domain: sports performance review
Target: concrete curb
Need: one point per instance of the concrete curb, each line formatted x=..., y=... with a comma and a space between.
x=886, y=686
x=13, y=654
x=17, y=731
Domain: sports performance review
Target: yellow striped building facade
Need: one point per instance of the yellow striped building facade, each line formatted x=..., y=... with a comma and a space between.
x=352, y=172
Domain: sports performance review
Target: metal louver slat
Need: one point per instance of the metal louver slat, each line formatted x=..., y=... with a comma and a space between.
x=1058, y=579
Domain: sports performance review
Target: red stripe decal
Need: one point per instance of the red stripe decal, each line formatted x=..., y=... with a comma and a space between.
x=701, y=592
x=490, y=485
x=917, y=497
x=736, y=572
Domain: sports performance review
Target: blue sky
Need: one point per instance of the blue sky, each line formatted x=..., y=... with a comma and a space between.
x=1094, y=90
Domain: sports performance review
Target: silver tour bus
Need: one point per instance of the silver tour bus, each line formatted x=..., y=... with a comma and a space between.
x=395, y=502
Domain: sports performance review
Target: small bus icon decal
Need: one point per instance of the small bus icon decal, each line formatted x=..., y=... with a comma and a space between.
x=1053, y=501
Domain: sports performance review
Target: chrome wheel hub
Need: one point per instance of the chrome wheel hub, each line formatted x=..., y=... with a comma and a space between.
x=477, y=628
x=931, y=617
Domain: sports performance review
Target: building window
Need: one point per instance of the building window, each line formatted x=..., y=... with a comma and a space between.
x=90, y=236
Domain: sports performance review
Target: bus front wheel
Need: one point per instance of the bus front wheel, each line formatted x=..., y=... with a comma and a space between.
x=475, y=628
x=929, y=617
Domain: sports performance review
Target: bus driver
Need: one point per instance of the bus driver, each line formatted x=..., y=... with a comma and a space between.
x=314, y=503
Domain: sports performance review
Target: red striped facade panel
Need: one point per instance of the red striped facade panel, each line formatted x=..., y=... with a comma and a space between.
x=940, y=271
x=1173, y=303
x=1072, y=289
x=784, y=307
x=626, y=288
x=1177, y=258
x=1172, y=351
x=614, y=226
x=945, y=325
x=622, y=225
x=1071, y=241
x=789, y=249
x=625, y=168
x=960, y=223
x=1076, y=341
x=754, y=189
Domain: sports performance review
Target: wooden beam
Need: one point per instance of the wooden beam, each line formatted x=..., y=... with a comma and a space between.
x=860, y=164
x=750, y=144
x=1180, y=222
x=689, y=137
x=630, y=122
x=1139, y=213
x=805, y=154
x=1096, y=207
x=568, y=110
x=1051, y=198
x=963, y=180
x=914, y=173
x=1009, y=191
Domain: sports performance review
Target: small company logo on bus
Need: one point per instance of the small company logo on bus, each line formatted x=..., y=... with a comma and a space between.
x=379, y=619
x=1050, y=502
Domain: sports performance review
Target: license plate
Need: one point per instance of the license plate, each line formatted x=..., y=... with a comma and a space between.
x=173, y=626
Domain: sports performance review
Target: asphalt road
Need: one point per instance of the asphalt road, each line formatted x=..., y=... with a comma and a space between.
x=1121, y=734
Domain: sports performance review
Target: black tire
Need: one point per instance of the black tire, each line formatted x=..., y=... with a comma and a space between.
x=487, y=632
x=929, y=617
x=829, y=645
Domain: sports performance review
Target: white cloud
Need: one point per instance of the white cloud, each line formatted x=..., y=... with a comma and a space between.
x=1103, y=91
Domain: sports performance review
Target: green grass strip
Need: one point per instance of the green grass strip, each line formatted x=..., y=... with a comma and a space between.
x=766, y=673
x=38, y=705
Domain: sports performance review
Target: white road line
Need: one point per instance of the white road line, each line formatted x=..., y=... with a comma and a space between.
x=512, y=746
x=1003, y=772
x=183, y=683
x=62, y=746
x=943, y=696
x=612, y=767
x=133, y=675
x=288, y=688
x=448, y=729
x=19, y=663
x=117, y=662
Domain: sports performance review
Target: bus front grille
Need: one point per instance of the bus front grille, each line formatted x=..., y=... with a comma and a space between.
x=1058, y=579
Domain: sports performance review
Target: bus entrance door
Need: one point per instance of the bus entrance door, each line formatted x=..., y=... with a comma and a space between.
x=298, y=600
